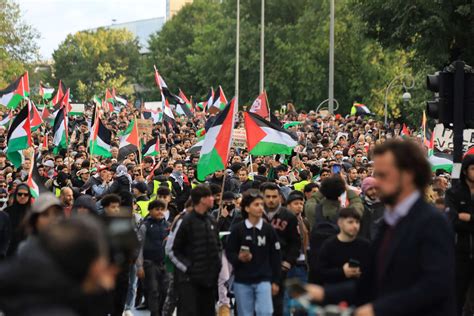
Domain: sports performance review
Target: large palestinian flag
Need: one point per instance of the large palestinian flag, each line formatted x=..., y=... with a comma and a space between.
x=168, y=117
x=215, y=149
x=60, y=130
x=18, y=90
x=129, y=140
x=165, y=91
x=151, y=148
x=19, y=137
x=266, y=138
x=101, y=138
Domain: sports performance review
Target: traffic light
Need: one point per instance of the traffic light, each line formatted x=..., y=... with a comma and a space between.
x=442, y=108
x=469, y=100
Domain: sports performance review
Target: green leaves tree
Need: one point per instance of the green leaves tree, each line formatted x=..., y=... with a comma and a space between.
x=18, y=44
x=90, y=61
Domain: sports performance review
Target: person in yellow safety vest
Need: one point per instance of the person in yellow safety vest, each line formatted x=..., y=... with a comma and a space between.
x=304, y=180
x=140, y=190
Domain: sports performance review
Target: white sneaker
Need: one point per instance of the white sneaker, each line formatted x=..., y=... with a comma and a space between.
x=127, y=313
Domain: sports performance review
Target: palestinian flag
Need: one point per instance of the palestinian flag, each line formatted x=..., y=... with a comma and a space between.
x=118, y=99
x=109, y=101
x=260, y=106
x=216, y=146
x=218, y=103
x=45, y=114
x=101, y=138
x=26, y=84
x=65, y=102
x=12, y=95
x=60, y=130
x=168, y=117
x=35, y=117
x=151, y=148
x=165, y=91
x=60, y=93
x=46, y=92
x=6, y=120
x=129, y=140
x=265, y=138
x=405, y=133
x=209, y=99
x=184, y=107
x=19, y=137
x=156, y=116
x=359, y=109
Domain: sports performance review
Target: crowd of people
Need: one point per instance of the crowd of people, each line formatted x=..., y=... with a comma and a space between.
x=118, y=233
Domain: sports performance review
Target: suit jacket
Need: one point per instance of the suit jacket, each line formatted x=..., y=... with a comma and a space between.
x=417, y=276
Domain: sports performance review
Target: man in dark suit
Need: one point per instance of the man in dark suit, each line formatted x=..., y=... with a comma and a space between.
x=411, y=271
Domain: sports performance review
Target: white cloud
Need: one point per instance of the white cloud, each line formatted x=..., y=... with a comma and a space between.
x=55, y=19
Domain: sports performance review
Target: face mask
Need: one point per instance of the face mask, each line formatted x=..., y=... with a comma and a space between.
x=3, y=200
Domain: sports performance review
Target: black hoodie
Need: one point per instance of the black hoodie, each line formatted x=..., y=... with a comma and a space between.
x=459, y=200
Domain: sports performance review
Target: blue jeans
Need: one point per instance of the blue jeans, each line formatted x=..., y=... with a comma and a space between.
x=132, y=288
x=299, y=273
x=254, y=298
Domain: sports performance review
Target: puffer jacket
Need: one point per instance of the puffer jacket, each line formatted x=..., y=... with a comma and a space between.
x=196, y=249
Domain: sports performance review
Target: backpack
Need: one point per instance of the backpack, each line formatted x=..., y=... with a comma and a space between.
x=322, y=229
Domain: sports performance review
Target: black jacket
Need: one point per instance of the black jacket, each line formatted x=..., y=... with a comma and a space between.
x=182, y=193
x=459, y=200
x=265, y=249
x=231, y=183
x=247, y=185
x=417, y=276
x=285, y=224
x=5, y=233
x=372, y=217
x=196, y=249
x=153, y=234
x=120, y=184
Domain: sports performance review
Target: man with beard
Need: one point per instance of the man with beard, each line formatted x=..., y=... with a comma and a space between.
x=411, y=261
x=180, y=184
x=373, y=209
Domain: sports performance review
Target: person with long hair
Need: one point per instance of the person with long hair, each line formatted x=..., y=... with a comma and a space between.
x=21, y=201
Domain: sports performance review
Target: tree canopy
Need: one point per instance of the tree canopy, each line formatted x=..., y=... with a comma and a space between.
x=196, y=50
x=17, y=42
x=90, y=61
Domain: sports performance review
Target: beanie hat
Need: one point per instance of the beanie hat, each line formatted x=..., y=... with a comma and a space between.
x=293, y=196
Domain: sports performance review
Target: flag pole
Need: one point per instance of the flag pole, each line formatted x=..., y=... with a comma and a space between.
x=139, y=145
x=251, y=166
x=222, y=193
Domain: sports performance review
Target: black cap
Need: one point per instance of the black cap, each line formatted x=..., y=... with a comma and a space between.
x=293, y=196
x=228, y=195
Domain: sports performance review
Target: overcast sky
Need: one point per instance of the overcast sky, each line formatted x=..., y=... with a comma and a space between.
x=55, y=19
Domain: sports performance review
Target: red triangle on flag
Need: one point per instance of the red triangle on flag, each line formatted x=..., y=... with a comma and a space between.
x=254, y=133
x=36, y=117
x=133, y=136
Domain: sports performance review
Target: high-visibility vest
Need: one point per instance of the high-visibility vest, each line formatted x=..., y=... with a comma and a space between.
x=300, y=185
x=143, y=208
x=57, y=192
x=156, y=185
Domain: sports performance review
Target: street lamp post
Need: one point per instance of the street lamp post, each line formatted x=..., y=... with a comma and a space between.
x=331, y=59
x=237, y=52
x=406, y=96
